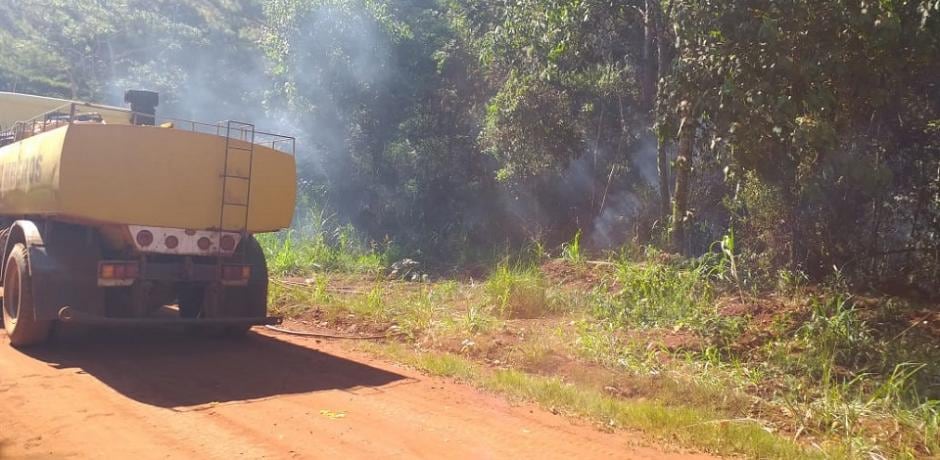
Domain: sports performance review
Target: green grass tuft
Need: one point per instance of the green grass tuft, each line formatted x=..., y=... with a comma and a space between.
x=572, y=251
x=517, y=291
x=291, y=253
x=656, y=294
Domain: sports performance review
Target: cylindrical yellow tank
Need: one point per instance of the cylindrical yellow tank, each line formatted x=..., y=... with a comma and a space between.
x=144, y=175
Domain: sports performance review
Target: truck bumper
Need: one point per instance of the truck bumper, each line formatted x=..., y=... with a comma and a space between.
x=71, y=315
x=123, y=273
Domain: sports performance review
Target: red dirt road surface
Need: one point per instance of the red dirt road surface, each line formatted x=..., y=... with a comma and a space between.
x=163, y=395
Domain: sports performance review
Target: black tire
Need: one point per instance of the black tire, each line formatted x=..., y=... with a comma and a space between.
x=19, y=318
x=249, y=301
x=190, y=301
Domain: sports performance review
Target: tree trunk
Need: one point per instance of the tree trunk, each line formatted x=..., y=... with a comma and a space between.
x=683, y=172
x=650, y=71
x=654, y=15
x=662, y=165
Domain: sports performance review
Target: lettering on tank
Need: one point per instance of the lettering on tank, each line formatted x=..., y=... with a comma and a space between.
x=20, y=174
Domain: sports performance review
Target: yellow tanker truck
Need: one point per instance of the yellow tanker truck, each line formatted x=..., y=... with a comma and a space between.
x=115, y=216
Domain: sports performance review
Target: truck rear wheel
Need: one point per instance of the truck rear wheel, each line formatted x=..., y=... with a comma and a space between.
x=250, y=301
x=19, y=318
x=217, y=301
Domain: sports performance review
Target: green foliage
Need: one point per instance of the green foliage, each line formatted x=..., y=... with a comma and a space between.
x=658, y=295
x=456, y=127
x=93, y=50
x=844, y=371
x=529, y=129
x=835, y=336
x=535, y=252
x=571, y=251
x=477, y=319
x=517, y=291
x=289, y=301
x=454, y=131
x=804, y=125
x=292, y=253
x=424, y=313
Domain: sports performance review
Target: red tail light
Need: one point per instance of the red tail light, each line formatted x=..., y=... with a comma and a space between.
x=236, y=272
x=118, y=270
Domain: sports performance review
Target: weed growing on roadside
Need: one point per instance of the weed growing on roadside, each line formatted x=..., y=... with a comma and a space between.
x=571, y=251
x=422, y=312
x=517, y=292
x=371, y=306
x=477, y=319
x=290, y=253
x=290, y=300
x=658, y=295
x=535, y=252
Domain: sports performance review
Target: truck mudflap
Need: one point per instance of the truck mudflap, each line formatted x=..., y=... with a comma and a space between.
x=72, y=315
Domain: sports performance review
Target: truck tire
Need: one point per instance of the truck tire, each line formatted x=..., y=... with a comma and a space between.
x=252, y=300
x=249, y=301
x=189, y=300
x=18, y=309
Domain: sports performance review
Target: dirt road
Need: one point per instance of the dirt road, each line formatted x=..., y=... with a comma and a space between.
x=163, y=395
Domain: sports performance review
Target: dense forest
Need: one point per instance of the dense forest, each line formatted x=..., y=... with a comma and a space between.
x=804, y=133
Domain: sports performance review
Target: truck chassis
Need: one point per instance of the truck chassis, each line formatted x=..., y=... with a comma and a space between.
x=53, y=271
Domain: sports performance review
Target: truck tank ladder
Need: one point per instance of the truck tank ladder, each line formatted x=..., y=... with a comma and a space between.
x=236, y=177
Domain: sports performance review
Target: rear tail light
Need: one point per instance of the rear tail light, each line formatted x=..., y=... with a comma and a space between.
x=236, y=272
x=118, y=270
x=144, y=238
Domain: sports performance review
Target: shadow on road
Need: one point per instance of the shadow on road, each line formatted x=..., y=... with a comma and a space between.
x=171, y=369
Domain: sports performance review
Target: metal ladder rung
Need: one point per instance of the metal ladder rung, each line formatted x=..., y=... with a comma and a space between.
x=245, y=135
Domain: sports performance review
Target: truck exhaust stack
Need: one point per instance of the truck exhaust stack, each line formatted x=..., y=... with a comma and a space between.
x=144, y=105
